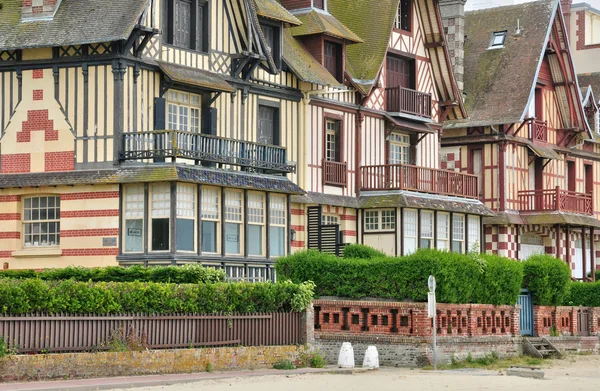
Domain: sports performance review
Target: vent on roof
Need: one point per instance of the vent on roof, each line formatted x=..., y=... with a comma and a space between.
x=498, y=38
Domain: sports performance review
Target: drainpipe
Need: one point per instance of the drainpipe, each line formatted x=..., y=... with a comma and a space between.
x=502, y=176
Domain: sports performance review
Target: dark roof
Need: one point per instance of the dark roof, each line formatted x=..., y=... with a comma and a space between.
x=75, y=22
x=589, y=79
x=316, y=22
x=271, y=9
x=153, y=173
x=195, y=77
x=498, y=82
x=561, y=218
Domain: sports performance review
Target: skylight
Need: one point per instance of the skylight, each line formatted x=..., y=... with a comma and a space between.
x=498, y=39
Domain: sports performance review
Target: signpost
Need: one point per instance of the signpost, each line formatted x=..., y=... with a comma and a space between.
x=431, y=312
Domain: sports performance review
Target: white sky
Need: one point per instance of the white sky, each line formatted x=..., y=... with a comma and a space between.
x=471, y=3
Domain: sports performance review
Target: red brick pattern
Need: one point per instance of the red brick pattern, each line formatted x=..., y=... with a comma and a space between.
x=10, y=198
x=297, y=228
x=16, y=163
x=37, y=120
x=348, y=217
x=37, y=73
x=297, y=212
x=89, y=252
x=296, y=4
x=297, y=243
x=10, y=216
x=563, y=319
x=348, y=233
x=89, y=195
x=66, y=214
x=6, y=254
x=10, y=235
x=59, y=161
x=38, y=94
x=75, y=233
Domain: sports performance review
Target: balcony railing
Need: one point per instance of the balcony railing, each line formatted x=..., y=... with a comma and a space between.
x=556, y=200
x=421, y=179
x=405, y=100
x=539, y=130
x=335, y=173
x=160, y=144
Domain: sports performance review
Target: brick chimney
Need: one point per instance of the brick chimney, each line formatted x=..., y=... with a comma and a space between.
x=296, y=4
x=453, y=19
x=565, y=5
x=34, y=10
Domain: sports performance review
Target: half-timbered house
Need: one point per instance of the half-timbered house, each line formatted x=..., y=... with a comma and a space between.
x=527, y=136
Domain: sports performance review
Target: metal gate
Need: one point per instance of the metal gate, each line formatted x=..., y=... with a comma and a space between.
x=583, y=319
x=526, y=314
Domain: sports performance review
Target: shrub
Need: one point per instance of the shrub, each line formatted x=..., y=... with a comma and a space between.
x=69, y=296
x=460, y=278
x=547, y=279
x=317, y=361
x=360, y=251
x=187, y=274
x=583, y=294
x=284, y=364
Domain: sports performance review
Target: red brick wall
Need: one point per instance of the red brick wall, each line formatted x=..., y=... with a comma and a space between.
x=564, y=319
x=314, y=44
x=59, y=161
x=296, y=4
x=16, y=163
x=410, y=319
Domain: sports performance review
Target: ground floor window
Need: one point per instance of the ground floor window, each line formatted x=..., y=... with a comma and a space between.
x=41, y=221
x=426, y=229
x=474, y=238
x=458, y=233
x=277, y=223
x=380, y=220
x=410, y=230
x=443, y=231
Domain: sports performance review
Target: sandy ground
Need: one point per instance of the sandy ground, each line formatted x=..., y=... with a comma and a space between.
x=572, y=373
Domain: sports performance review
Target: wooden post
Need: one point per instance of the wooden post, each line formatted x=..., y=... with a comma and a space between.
x=584, y=250
x=401, y=184
x=593, y=255
x=502, y=176
x=556, y=199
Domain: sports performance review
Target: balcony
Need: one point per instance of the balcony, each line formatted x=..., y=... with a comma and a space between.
x=335, y=173
x=539, y=130
x=421, y=179
x=161, y=144
x=407, y=101
x=555, y=200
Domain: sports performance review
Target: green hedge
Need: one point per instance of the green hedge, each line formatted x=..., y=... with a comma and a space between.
x=547, y=278
x=460, y=278
x=69, y=296
x=361, y=251
x=187, y=274
x=584, y=294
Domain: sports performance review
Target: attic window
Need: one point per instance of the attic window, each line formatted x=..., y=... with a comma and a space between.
x=498, y=39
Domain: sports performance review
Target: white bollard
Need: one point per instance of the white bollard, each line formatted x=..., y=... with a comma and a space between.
x=346, y=357
x=371, y=360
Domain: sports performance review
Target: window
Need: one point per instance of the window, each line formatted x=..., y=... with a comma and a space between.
x=277, y=221
x=443, y=231
x=160, y=214
x=333, y=60
x=272, y=34
x=320, y=4
x=183, y=111
x=210, y=212
x=597, y=121
x=233, y=221
x=591, y=26
x=476, y=168
x=186, y=24
x=399, y=149
x=186, y=213
x=256, y=223
x=134, y=218
x=329, y=219
x=474, y=239
x=268, y=125
x=42, y=221
x=426, y=229
x=403, y=15
x=458, y=233
x=410, y=231
x=498, y=39
x=380, y=220
x=332, y=140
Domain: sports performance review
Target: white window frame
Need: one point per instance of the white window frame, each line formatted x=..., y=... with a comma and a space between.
x=473, y=233
x=498, y=39
x=458, y=231
x=256, y=217
x=234, y=214
x=210, y=210
x=380, y=220
x=133, y=206
x=331, y=139
x=278, y=220
x=186, y=209
x=427, y=227
x=160, y=208
x=184, y=111
x=443, y=231
x=410, y=230
x=399, y=148
x=329, y=219
x=31, y=222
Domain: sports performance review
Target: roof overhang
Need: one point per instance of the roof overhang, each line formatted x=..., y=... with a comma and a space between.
x=560, y=218
x=201, y=79
x=403, y=124
x=544, y=151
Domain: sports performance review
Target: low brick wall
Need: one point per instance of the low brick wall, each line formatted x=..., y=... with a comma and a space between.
x=568, y=344
x=565, y=320
x=105, y=364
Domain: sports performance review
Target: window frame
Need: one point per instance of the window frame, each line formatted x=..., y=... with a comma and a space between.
x=405, y=148
x=498, y=34
x=183, y=100
x=151, y=191
x=55, y=220
x=276, y=106
x=390, y=221
x=278, y=219
x=249, y=217
x=339, y=137
x=443, y=237
x=228, y=220
x=473, y=231
x=277, y=50
x=456, y=217
x=405, y=222
x=206, y=195
x=329, y=219
x=398, y=25
x=192, y=216
x=338, y=46
x=168, y=25
x=127, y=190
x=431, y=236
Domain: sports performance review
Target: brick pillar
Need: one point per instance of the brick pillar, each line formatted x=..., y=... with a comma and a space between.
x=307, y=328
x=38, y=9
x=565, y=5
x=453, y=19
x=515, y=325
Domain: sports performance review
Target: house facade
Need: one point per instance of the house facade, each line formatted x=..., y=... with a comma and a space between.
x=528, y=137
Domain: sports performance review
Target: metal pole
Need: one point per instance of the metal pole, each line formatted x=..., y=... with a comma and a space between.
x=434, y=334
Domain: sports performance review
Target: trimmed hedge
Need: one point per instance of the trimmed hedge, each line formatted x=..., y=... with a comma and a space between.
x=583, y=294
x=547, y=279
x=361, y=251
x=69, y=296
x=460, y=278
x=187, y=274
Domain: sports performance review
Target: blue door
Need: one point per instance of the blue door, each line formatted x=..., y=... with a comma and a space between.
x=526, y=314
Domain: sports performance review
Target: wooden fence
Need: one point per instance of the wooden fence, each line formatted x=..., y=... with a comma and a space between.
x=66, y=332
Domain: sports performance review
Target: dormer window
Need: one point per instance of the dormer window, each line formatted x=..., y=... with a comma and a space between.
x=186, y=24
x=403, y=16
x=320, y=4
x=333, y=60
x=498, y=39
x=272, y=34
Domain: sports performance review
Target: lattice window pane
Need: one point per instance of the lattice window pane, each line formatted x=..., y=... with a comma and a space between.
x=329, y=219
x=41, y=223
x=458, y=227
x=186, y=200
x=233, y=206
x=277, y=213
x=442, y=227
x=210, y=203
x=410, y=223
x=427, y=224
x=161, y=200
x=371, y=220
x=388, y=219
x=256, y=208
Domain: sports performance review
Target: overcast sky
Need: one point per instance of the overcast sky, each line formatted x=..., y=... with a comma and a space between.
x=471, y=3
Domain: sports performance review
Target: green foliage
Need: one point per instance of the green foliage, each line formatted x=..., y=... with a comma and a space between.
x=317, y=361
x=208, y=367
x=460, y=278
x=360, y=251
x=187, y=274
x=69, y=296
x=547, y=279
x=583, y=294
x=284, y=364
x=3, y=347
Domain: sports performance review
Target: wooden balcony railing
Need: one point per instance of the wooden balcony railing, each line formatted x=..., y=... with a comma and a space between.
x=335, y=173
x=405, y=100
x=539, y=130
x=421, y=179
x=160, y=144
x=555, y=200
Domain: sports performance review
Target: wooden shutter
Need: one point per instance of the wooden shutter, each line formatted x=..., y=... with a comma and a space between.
x=200, y=27
x=181, y=30
x=209, y=120
x=265, y=124
x=160, y=116
x=399, y=72
x=331, y=59
x=338, y=141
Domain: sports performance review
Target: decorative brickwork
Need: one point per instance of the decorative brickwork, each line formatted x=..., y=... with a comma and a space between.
x=16, y=163
x=59, y=161
x=89, y=252
x=38, y=94
x=37, y=120
x=89, y=195
x=38, y=73
x=10, y=216
x=75, y=233
x=564, y=320
x=65, y=214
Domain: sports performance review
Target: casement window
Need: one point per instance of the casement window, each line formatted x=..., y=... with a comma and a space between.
x=380, y=220
x=458, y=233
x=268, y=125
x=399, y=148
x=333, y=60
x=320, y=4
x=410, y=231
x=233, y=222
x=186, y=217
x=400, y=72
x=403, y=15
x=183, y=111
x=443, y=231
x=41, y=221
x=477, y=168
x=185, y=24
x=498, y=38
x=256, y=223
x=474, y=238
x=333, y=148
x=210, y=215
x=426, y=229
x=272, y=34
x=277, y=224
x=134, y=219
x=160, y=213
x=327, y=219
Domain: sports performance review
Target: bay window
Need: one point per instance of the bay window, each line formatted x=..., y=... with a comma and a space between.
x=160, y=216
x=410, y=231
x=399, y=148
x=134, y=218
x=458, y=233
x=233, y=222
x=443, y=231
x=426, y=229
x=210, y=219
x=186, y=217
x=41, y=221
x=277, y=224
x=256, y=223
